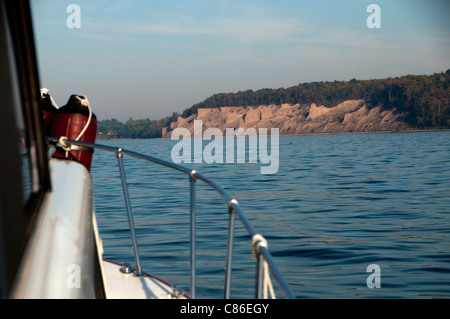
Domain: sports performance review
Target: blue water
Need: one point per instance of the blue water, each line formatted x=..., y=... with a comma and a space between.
x=337, y=204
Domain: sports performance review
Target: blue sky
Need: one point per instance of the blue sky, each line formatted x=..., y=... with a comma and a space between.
x=147, y=59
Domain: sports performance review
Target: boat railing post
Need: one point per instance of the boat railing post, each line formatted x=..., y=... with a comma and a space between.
x=229, y=257
x=119, y=156
x=259, y=276
x=258, y=241
x=193, y=235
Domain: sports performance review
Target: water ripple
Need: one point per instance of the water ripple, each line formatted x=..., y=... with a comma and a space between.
x=337, y=204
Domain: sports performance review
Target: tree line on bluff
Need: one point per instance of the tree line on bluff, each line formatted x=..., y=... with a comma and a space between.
x=424, y=99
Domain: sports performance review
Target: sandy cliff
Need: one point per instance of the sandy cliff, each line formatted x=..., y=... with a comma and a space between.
x=349, y=116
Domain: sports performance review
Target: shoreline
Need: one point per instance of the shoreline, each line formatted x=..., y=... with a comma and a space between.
x=302, y=134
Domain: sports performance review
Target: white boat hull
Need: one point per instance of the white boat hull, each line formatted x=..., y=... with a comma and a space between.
x=58, y=261
x=65, y=249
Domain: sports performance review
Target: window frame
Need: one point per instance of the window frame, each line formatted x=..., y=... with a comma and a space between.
x=19, y=90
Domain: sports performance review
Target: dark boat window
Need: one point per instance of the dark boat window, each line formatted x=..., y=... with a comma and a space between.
x=24, y=175
x=23, y=142
x=10, y=95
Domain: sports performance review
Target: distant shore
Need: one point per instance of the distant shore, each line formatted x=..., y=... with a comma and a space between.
x=298, y=134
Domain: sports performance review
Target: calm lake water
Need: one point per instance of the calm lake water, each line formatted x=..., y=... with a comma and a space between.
x=337, y=204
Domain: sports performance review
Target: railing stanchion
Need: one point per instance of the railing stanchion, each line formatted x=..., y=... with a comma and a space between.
x=193, y=237
x=129, y=213
x=229, y=257
x=259, y=277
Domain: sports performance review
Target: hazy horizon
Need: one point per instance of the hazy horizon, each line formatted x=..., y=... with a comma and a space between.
x=148, y=59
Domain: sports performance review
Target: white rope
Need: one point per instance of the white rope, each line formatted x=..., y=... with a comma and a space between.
x=257, y=241
x=45, y=91
x=65, y=146
x=85, y=102
x=267, y=281
x=62, y=141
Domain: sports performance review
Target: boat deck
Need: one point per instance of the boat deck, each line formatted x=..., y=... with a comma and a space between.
x=123, y=285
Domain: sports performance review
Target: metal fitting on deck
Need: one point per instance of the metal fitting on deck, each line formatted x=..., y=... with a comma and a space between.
x=192, y=175
x=126, y=268
x=231, y=202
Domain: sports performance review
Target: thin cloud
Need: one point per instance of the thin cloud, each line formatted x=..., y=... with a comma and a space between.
x=248, y=30
x=170, y=29
x=258, y=29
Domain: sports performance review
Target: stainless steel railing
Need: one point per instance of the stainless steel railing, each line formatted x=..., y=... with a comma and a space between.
x=259, y=244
